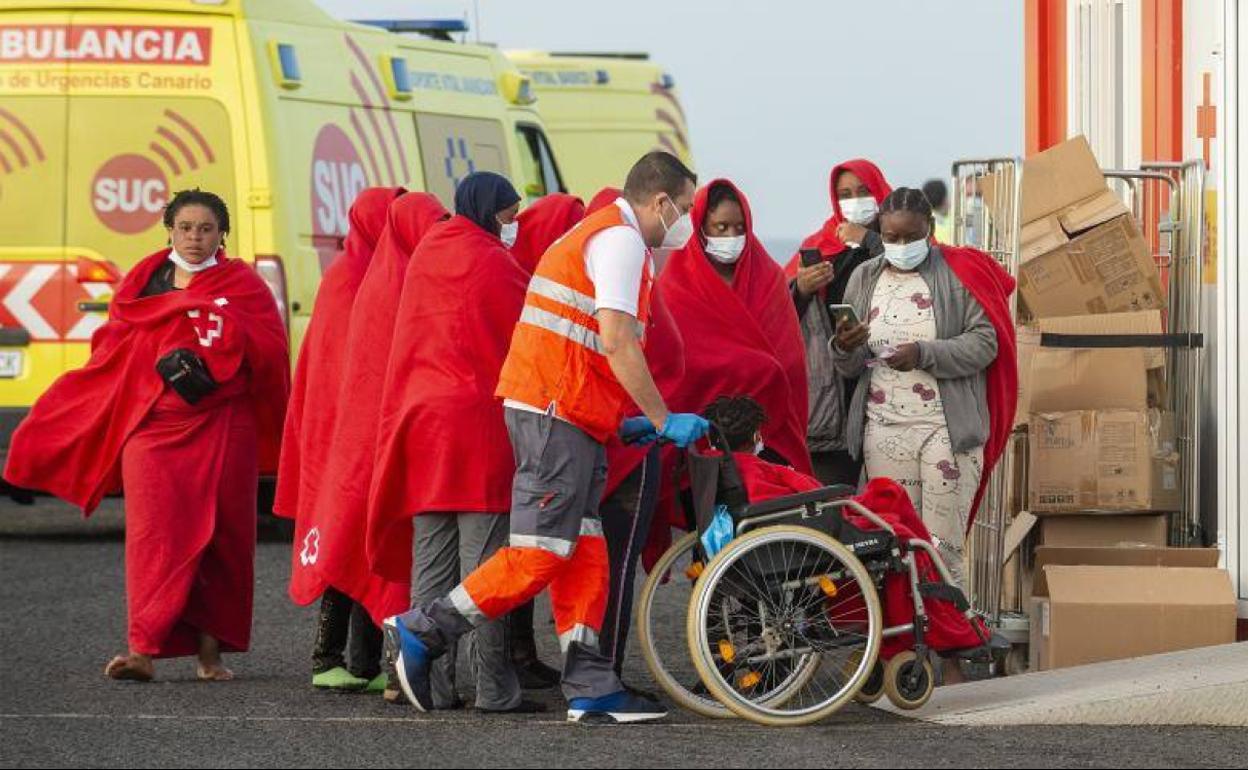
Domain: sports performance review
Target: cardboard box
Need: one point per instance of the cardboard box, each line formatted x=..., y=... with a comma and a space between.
x=1109, y=460
x=1092, y=530
x=1107, y=269
x=1144, y=601
x=1084, y=378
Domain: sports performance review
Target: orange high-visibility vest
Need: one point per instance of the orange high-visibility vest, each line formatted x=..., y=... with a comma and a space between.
x=556, y=361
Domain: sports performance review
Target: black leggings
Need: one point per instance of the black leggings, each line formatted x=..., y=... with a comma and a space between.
x=342, y=623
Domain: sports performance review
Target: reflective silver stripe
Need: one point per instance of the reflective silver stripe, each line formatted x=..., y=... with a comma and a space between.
x=465, y=606
x=578, y=633
x=561, y=548
x=564, y=327
x=563, y=294
x=591, y=527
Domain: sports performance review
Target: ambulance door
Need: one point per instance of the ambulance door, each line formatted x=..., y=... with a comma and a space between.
x=32, y=224
x=128, y=155
x=539, y=172
x=453, y=147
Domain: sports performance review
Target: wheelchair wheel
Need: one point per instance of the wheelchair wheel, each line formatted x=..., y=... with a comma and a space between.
x=664, y=647
x=873, y=688
x=908, y=681
x=784, y=626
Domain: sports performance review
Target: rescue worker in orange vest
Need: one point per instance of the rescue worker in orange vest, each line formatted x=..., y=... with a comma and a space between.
x=575, y=363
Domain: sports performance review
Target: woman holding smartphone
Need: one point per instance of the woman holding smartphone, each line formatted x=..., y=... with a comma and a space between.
x=935, y=365
x=818, y=275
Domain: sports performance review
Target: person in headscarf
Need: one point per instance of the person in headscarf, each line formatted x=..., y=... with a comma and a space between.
x=181, y=403
x=305, y=450
x=335, y=548
x=818, y=275
x=444, y=464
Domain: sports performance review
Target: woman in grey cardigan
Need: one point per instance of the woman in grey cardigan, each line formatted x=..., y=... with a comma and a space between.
x=919, y=414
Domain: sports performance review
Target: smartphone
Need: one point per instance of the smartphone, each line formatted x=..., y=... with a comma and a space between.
x=846, y=312
x=811, y=257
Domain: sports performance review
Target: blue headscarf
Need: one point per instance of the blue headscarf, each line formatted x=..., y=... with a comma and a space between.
x=481, y=196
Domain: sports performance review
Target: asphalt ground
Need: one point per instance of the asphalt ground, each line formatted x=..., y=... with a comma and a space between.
x=62, y=615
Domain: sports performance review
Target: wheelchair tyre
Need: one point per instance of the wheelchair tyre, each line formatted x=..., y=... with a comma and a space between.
x=873, y=688
x=909, y=682
x=810, y=633
x=658, y=656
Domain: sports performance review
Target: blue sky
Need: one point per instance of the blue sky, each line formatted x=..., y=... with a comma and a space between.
x=778, y=92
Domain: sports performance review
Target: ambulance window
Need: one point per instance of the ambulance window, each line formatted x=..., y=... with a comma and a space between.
x=541, y=172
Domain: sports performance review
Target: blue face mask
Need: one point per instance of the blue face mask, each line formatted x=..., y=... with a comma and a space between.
x=907, y=256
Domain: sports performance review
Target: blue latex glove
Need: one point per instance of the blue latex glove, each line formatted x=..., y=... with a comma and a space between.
x=638, y=431
x=684, y=429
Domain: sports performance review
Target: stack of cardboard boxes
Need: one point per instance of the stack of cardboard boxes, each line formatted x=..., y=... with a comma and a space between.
x=1103, y=466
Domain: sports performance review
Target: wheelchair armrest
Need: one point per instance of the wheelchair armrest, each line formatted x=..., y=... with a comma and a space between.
x=788, y=502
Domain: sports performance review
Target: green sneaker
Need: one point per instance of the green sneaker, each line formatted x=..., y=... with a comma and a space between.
x=378, y=684
x=338, y=679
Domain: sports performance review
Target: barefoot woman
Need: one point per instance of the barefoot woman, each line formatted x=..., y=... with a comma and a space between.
x=181, y=403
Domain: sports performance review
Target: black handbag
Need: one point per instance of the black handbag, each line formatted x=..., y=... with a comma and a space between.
x=186, y=373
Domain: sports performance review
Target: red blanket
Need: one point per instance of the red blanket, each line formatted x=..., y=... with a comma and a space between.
x=748, y=341
x=442, y=444
x=115, y=420
x=337, y=548
x=825, y=238
x=305, y=442
x=542, y=224
x=70, y=444
x=948, y=629
x=992, y=286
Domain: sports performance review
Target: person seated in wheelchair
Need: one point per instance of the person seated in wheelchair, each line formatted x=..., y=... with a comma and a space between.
x=765, y=474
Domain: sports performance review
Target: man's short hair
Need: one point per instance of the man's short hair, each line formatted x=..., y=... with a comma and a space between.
x=657, y=172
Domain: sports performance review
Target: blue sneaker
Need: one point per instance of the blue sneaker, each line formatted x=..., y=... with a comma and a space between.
x=620, y=707
x=411, y=663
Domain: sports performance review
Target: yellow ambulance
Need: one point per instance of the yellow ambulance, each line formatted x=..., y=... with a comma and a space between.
x=109, y=106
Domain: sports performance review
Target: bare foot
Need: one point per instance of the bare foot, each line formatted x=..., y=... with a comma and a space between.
x=132, y=668
x=215, y=672
x=210, y=668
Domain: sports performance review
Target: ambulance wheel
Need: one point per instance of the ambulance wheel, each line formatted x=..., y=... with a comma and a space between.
x=909, y=682
x=664, y=646
x=873, y=686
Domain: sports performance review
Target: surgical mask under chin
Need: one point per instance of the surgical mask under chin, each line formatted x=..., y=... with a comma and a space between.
x=192, y=267
x=860, y=211
x=725, y=250
x=508, y=232
x=678, y=233
x=906, y=256
x=759, y=446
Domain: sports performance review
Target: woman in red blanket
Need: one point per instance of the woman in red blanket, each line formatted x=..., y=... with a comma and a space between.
x=727, y=293
x=443, y=455
x=305, y=447
x=181, y=403
x=819, y=273
x=335, y=546
x=542, y=224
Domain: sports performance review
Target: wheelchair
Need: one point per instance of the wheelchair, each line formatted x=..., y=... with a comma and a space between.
x=784, y=624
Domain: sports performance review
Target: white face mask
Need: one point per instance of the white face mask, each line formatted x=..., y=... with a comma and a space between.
x=759, y=446
x=907, y=256
x=679, y=232
x=860, y=211
x=508, y=232
x=191, y=267
x=725, y=250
